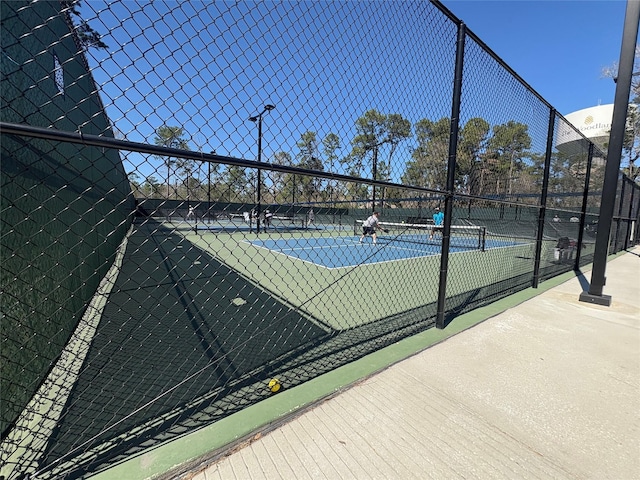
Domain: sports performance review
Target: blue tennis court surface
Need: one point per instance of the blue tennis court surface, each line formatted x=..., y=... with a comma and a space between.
x=339, y=252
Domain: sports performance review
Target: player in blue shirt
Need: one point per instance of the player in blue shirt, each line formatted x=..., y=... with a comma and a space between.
x=438, y=220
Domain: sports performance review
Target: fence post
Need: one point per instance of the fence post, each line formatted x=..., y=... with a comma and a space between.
x=616, y=238
x=618, y=128
x=636, y=229
x=451, y=171
x=583, y=210
x=543, y=198
x=628, y=234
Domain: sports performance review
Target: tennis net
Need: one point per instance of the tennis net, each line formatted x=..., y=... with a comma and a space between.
x=470, y=237
x=243, y=222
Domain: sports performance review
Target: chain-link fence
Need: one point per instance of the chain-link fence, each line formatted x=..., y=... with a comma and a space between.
x=186, y=198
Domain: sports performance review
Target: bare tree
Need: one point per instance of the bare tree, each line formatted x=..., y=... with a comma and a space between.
x=631, y=143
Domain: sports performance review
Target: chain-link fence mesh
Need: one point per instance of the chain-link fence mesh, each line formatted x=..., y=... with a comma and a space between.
x=186, y=189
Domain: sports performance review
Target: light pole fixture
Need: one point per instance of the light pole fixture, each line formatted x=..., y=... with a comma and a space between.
x=258, y=119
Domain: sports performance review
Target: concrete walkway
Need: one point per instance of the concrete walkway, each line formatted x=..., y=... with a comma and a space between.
x=549, y=389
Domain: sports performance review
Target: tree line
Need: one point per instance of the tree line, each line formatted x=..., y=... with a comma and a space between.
x=494, y=161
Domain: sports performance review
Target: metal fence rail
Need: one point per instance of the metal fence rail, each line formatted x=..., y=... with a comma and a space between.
x=180, y=185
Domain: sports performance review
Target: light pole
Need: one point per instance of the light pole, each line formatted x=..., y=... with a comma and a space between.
x=375, y=172
x=258, y=118
x=293, y=200
x=213, y=152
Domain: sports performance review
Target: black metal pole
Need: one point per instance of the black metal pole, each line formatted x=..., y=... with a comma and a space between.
x=627, y=237
x=618, y=218
x=543, y=199
x=451, y=172
x=375, y=174
x=259, y=179
x=258, y=118
x=636, y=230
x=583, y=210
x=616, y=140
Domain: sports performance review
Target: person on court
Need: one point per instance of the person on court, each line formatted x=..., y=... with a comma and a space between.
x=369, y=227
x=438, y=219
x=268, y=216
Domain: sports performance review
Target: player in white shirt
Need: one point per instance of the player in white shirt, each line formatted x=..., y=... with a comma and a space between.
x=369, y=227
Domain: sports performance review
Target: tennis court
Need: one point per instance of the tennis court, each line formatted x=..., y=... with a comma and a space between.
x=331, y=277
x=399, y=242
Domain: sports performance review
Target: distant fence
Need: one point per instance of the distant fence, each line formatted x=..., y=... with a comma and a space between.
x=180, y=185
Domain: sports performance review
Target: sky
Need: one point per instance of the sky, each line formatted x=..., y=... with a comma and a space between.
x=558, y=47
x=208, y=66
